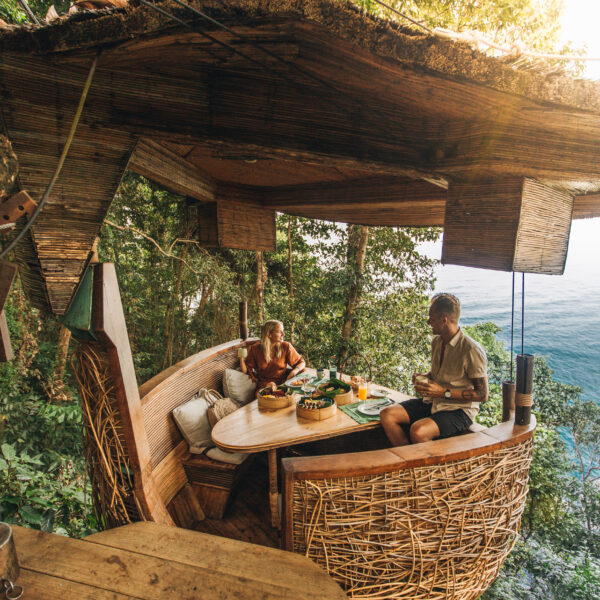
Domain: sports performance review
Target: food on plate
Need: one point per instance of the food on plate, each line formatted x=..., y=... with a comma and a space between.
x=315, y=403
x=299, y=382
x=333, y=387
x=273, y=391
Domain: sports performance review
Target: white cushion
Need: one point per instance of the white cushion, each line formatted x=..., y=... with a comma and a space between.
x=234, y=458
x=192, y=420
x=238, y=386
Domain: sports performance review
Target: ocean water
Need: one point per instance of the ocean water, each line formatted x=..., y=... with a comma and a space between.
x=561, y=313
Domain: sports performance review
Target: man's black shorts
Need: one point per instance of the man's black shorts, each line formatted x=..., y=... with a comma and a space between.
x=449, y=422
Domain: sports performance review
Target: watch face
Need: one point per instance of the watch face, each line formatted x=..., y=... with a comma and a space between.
x=447, y=394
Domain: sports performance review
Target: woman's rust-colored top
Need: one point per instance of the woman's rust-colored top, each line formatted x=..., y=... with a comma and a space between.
x=275, y=370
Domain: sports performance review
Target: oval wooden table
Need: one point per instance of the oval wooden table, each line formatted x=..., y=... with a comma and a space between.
x=253, y=429
x=149, y=561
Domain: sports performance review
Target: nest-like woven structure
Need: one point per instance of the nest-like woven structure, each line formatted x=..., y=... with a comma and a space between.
x=433, y=532
x=106, y=455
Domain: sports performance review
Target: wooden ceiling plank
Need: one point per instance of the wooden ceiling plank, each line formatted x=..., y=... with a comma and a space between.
x=167, y=168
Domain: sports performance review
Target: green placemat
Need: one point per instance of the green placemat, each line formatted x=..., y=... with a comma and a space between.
x=352, y=411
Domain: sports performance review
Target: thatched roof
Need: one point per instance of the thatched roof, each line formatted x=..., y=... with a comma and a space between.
x=345, y=117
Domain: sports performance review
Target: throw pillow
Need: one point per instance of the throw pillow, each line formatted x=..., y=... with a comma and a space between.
x=238, y=386
x=192, y=420
x=221, y=408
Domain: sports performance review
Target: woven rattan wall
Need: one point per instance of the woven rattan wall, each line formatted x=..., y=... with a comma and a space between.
x=433, y=532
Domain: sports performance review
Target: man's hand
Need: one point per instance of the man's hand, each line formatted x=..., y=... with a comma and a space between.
x=430, y=389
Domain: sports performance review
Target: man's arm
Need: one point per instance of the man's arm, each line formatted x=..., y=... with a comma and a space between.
x=479, y=393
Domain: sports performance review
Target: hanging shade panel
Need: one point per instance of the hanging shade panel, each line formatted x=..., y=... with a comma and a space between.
x=233, y=223
x=515, y=224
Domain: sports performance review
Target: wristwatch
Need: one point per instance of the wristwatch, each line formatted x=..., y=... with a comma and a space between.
x=447, y=394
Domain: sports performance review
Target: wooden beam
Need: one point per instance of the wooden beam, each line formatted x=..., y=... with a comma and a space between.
x=386, y=201
x=509, y=225
x=586, y=206
x=167, y=168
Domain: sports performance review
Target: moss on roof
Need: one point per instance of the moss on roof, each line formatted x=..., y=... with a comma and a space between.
x=456, y=60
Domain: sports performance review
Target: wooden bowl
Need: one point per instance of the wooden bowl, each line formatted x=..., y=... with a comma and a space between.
x=317, y=414
x=340, y=399
x=275, y=402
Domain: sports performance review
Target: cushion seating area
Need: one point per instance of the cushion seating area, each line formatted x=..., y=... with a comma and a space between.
x=211, y=477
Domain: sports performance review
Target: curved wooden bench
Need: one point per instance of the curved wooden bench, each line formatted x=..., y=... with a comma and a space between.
x=172, y=466
x=433, y=520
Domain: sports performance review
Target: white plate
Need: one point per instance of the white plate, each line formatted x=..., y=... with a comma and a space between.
x=297, y=378
x=379, y=393
x=374, y=407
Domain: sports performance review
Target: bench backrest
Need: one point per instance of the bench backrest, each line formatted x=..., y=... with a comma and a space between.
x=168, y=390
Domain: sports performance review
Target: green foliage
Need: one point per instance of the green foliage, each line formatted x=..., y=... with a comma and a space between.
x=174, y=307
x=44, y=492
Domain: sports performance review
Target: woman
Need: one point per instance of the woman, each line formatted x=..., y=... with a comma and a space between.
x=268, y=361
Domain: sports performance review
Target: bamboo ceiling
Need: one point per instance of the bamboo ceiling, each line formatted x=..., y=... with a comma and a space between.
x=345, y=118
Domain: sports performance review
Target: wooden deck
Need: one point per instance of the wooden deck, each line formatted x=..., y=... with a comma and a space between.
x=248, y=518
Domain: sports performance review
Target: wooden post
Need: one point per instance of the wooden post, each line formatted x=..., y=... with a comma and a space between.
x=110, y=328
x=524, y=389
x=508, y=400
x=8, y=271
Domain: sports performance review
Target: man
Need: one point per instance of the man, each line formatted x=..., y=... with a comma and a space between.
x=449, y=395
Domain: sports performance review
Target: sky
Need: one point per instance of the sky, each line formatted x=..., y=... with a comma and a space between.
x=580, y=26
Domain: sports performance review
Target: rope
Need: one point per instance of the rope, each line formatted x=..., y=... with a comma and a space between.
x=523, y=314
x=61, y=161
x=524, y=399
x=512, y=325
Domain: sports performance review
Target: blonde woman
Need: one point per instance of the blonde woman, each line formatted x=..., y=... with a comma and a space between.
x=270, y=360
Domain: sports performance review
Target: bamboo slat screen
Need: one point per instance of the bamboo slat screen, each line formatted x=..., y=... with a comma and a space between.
x=543, y=236
x=432, y=532
x=514, y=224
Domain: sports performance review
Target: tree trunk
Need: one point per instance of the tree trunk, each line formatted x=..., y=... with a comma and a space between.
x=261, y=278
x=358, y=238
x=64, y=337
x=291, y=281
x=170, y=315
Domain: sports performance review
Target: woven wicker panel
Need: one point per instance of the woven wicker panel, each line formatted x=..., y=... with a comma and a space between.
x=434, y=532
x=163, y=435
x=106, y=455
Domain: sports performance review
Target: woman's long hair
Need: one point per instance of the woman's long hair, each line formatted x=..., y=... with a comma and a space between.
x=270, y=350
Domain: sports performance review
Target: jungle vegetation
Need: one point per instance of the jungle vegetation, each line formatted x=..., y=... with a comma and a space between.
x=354, y=295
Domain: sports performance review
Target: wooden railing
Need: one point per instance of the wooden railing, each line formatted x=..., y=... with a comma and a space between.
x=433, y=520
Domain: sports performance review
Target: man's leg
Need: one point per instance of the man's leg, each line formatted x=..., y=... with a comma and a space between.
x=408, y=412
x=392, y=419
x=442, y=424
x=424, y=431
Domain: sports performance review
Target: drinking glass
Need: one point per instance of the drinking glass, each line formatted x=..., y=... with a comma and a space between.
x=362, y=391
